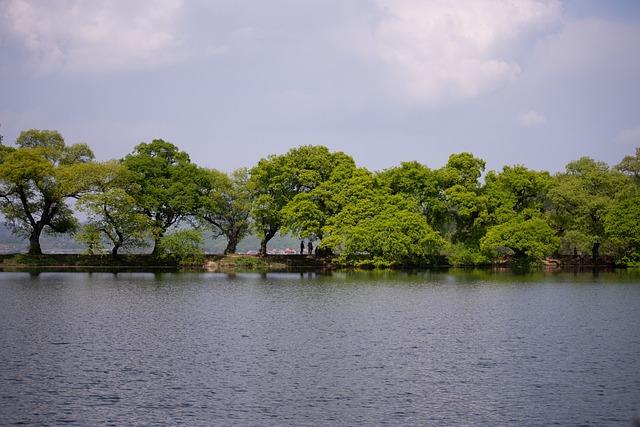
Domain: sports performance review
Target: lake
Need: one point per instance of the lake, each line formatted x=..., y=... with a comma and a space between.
x=371, y=348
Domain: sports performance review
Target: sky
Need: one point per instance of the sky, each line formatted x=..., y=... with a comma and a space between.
x=532, y=82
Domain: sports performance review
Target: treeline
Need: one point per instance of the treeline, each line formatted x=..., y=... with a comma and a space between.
x=406, y=215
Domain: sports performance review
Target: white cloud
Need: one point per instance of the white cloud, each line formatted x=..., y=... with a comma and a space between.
x=96, y=35
x=443, y=50
x=531, y=118
x=629, y=136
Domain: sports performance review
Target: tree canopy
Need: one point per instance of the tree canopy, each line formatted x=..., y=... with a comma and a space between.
x=111, y=210
x=228, y=206
x=171, y=187
x=36, y=179
x=410, y=214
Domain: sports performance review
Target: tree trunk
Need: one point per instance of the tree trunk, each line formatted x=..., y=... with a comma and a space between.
x=114, y=251
x=156, y=246
x=263, y=242
x=595, y=252
x=34, y=242
x=232, y=244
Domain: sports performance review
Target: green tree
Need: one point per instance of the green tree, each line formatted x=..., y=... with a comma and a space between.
x=171, y=187
x=622, y=226
x=112, y=211
x=630, y=165
x=91, y=237
x=424, y=185
x=530, y=239
x=466, y=216
x=516, y=190
x=228, y=207
x=275, y=182
x=515, y=218
x=580, y=199
x=381, y=229
x=462, y=169
x=183, y=246
x=36, y=179
x=307, y=213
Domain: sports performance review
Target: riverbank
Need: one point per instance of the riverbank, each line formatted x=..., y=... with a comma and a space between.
x=147, y=261
x=237, y=262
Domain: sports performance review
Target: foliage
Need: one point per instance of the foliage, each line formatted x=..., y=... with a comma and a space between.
x=581, y=197
x=36, y=178
x=277, y=180
x=424, y=185
x=91, y=237
x=460, y=254
x=516, y=190
x=228, y=206
x=530, y=239
x=382, y=229
x=622, y=225
x=171, y=187
x=462, y=169
x=183, y=246
x=630, y=165
x=111, y=209
x=251, y=263
x=404, y=215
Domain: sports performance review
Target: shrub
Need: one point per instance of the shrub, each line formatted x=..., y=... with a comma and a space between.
x=183, y=246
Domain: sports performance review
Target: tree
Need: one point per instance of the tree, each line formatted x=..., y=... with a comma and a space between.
x=36, y=179
x=515, y=217
x=424, y=185
x=111, y=210
x=630, y=165
x=275, y=182
x=580, y=199
x=381, y=229
x=466, y=214
x=308, y=212
x=462, y=169
x=183, y=246
x=516, y=190
x=622, y=226
x=528, y=239
x=171, y=187
x=228, y=207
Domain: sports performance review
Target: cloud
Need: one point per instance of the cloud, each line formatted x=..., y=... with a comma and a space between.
x=442, y=50
x=629, y=136
x=591, y=46
x=531, y=118
x=97, y=35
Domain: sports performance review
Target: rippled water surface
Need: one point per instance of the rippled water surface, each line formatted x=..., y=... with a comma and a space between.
x=449, y=348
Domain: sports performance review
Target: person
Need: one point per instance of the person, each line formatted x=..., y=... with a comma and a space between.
x=301, y=247
x=310, y=247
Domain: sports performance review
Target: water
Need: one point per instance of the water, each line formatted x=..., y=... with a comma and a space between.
x=347, y=349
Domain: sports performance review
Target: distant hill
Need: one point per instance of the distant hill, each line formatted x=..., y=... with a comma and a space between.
x=65, y=243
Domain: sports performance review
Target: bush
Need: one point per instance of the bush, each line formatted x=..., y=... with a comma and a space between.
x=183, y=246
x=459, y=254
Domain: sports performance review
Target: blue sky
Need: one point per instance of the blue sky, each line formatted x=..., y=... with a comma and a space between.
x=533, y=82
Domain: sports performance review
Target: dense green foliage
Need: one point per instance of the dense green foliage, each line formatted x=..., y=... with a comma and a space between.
x=36, y=179
x=171, y=187
x=405, y=215
x=228, y=206
x=183, y=246
x=112, y=212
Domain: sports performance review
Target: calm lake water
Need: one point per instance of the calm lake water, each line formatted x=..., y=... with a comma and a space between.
x=432, y=348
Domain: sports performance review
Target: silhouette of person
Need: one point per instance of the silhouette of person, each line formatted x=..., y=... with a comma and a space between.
x=301, y=247
x=310, y=247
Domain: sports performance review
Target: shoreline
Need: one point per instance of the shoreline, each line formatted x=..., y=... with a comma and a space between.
x=235, y=263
